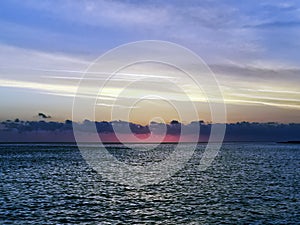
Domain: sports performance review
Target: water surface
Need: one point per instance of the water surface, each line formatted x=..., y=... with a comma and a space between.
x=247, y=183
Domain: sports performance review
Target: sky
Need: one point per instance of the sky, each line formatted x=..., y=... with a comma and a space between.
x=252, y=47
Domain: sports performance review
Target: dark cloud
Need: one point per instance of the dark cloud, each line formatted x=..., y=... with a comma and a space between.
x=44, y=116
x=242, y=131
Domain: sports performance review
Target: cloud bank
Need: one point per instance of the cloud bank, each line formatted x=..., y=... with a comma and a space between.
x=42, y=131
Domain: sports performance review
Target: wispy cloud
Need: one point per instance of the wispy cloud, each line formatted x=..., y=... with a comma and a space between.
x=17, y=62
x=214, y=29
x=103, y=13
x=277, y=24
x=47, y=45
x=37, y=86
x=239, y=81
x=117, y=106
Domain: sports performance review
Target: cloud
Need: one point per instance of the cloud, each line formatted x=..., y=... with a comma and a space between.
x=29, y=64
x=118, y=106
x=241, y=131
x=259, y=83
x=55, y=88
x=219, y=32
x=215, y=29
x=208, y=26
x=276, y=24
x=102, y=12
x=238, y=81
x=43, y=116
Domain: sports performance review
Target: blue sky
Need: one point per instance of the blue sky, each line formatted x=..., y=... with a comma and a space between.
x=251, y=46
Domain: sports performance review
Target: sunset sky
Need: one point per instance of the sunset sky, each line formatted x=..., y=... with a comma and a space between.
x=252, y=47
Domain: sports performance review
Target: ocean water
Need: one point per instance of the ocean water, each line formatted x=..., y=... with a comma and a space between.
x=248, y=183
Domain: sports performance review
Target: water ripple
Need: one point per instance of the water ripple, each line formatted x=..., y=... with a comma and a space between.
x=247, y=183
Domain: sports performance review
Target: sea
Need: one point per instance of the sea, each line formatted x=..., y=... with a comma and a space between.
x=246, y=183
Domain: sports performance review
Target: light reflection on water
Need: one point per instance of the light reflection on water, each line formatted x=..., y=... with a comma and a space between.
x=247, y=183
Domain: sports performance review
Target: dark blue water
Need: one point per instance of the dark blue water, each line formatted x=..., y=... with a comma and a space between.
x=246, y=184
